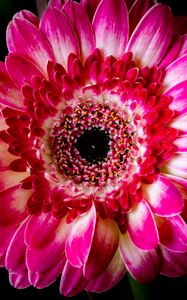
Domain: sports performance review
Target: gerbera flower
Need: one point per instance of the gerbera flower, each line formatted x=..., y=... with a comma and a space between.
x=93, y=150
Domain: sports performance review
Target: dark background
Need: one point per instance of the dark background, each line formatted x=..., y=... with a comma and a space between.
x=127, y=289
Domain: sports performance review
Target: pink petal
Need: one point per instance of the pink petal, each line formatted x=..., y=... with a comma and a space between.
x=72, y=281
x=6, y=234
x=26, y=39
x=173, y=233
x=178, y=180
x=183, y=49
x=13, y=205
x=144, y=265
x=163, y=197
x=142, y=228
x=56, y=3
x=181, y=184
x=42, y=280
x=178, y=165
x=180, y=123
x=21, y=70
x=172, y=52
x=9, y=94
x=15, y=257
x=90, y=6
x=82, y=26
x=178, y=94
x=174, y=263
x=104, y=246
x=57, y=27
x=175, y=73
x=38, y=254
x=138, y=9
x=19, y=280
x=152, y=36
x=29, y=16
x=40, y=228
x=111, y=27
x=181, y=144
x=112, y=275
x=80, y=238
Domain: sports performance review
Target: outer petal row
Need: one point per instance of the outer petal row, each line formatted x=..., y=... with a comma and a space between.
x=143, y=265
x=26, y=39
x=111, y=27
x=152, y=36
x=57, y=27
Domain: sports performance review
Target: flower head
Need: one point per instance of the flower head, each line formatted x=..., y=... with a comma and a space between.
x=93, y=145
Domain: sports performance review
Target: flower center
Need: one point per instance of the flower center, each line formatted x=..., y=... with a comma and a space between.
x=91, y=143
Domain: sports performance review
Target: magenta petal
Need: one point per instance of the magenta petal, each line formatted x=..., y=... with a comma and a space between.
x=175, y=73
x=27, y=15
x=111, y=27
x=179, y=95
x=173, y=233
x=15, y=257
x=138, y=9
x=163, y=197
x=82, y=27
x=104, y=246
x=38, y=254
x=140, y=224
x=80, y=238
x=6, y=234
x=9, y=94
x=183, y=49
x=152, y=36
x=110, y=277
x=56, y=3
x=178, y=180
x=72, y=280
x=26, y=39
x=90, y=6
x=42, y=280
x=40, y=229
x=174, y=263
x=39, y=260
x=172, y=52
x=20, y=69
x=144, y=265
x=19, y=280
x=57, y=27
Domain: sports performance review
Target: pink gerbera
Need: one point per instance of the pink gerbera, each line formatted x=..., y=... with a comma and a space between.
x=93, y=150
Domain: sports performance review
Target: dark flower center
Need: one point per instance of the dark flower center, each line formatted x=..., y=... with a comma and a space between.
x=93, y=145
